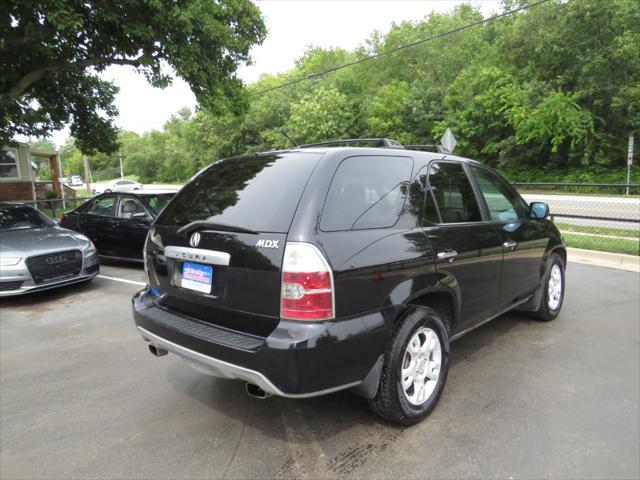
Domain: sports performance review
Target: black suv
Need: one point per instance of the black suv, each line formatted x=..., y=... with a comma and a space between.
x=318, y=269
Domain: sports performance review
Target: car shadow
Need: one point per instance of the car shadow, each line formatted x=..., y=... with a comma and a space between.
x=487, y=335
x=46, y=297
x=322, y=417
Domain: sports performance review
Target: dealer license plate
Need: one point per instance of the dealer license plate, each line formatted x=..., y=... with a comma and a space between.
x=197, y=277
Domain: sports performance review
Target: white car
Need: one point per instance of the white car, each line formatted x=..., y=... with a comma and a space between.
x=118, y=186
x=76, y=181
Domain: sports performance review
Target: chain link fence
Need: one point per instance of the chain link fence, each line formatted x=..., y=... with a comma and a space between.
x=592, y=216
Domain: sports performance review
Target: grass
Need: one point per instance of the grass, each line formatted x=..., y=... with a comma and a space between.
x=614, y=245
x=632, y=232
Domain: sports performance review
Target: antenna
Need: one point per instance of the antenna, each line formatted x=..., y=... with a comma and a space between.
x=286, y=135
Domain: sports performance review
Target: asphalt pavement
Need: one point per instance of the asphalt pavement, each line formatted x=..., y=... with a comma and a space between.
x=81, y=397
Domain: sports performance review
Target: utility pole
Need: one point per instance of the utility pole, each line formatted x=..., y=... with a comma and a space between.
x=121, y=171
x=629, y=161
x=87, y=178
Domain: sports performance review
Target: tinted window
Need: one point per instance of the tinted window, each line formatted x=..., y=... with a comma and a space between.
x=22, y=217
x=259, y=192
x=453, y=194
x=367, y=192
x=503, y=203
x=418, y=201
x=103, y=206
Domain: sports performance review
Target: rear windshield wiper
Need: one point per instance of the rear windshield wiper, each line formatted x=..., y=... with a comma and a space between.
x=223, y=227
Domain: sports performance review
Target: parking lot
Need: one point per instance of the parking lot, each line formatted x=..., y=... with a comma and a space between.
x=81, y=397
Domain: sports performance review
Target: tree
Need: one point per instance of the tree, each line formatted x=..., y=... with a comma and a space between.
x=50, y=53
x=326, y=114
x=388, y=111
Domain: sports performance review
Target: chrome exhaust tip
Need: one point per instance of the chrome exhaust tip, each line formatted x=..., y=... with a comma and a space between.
x=256, y=392
x=157, y=352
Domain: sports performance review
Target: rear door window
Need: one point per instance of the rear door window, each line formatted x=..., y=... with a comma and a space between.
x=129, y=206
x=104, y=207
x=453, y=193
x=259, y=192
x=367, y=192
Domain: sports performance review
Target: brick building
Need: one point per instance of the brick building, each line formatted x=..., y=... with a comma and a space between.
x=18, y=174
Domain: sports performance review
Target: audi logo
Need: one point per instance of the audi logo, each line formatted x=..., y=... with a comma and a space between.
x=194, y=240
x=56, y=259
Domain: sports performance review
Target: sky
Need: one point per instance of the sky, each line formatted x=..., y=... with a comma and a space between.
x=292, y=26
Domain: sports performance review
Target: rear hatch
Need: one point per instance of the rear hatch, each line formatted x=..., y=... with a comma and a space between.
x=215, y=252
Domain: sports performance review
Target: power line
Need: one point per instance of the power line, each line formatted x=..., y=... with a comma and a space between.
x=396, y=49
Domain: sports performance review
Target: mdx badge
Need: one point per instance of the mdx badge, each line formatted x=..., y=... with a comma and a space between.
x=267, y=243
x=195, y=239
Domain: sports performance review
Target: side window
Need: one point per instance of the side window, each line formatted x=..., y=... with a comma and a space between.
x=103, y=206
x=9, y=163
x=503, y=203
x=419, y=203
x=367, y=192
x=453, y=194
x=128, y=206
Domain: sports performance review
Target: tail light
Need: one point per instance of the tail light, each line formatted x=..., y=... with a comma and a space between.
x=307, y=284
x=61, y=217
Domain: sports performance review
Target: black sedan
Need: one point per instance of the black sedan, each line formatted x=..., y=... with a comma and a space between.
x=117, y=223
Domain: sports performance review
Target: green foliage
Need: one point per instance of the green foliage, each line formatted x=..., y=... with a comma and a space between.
x=550, y=94
x=324, y=113
x=388, y=110
x=50, y=51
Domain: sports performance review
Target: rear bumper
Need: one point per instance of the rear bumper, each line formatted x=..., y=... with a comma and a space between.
x=296, y=360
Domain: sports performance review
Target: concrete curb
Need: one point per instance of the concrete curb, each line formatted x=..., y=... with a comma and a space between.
x=621, y=261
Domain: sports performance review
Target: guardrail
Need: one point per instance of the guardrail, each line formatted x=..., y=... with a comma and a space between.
x=593, y=216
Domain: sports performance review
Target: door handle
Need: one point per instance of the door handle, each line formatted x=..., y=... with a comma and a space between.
x=447, y=255
x=510, y=244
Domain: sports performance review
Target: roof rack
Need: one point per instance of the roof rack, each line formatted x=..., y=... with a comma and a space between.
x=382, y=142
x=428, y=148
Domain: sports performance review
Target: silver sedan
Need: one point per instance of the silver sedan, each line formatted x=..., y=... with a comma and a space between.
x=37, y=254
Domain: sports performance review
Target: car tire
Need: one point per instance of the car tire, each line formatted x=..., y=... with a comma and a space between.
x=107, y=191
x=552, y=290
x=408, y=406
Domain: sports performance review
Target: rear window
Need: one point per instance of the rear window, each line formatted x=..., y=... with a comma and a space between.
x=157, y=202
x=367, y=192
x=259, y=193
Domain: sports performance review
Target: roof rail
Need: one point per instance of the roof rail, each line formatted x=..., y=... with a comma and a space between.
x=382, y=142
x=428, y=148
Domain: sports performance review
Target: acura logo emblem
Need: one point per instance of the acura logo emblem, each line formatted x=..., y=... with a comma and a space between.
x=195, y=239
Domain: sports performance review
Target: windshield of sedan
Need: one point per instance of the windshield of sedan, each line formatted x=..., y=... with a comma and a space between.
x=158, y=202
x=18, y=217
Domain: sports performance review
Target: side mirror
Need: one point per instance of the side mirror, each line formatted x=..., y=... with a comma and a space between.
x=141, y=216
x=539, y=210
